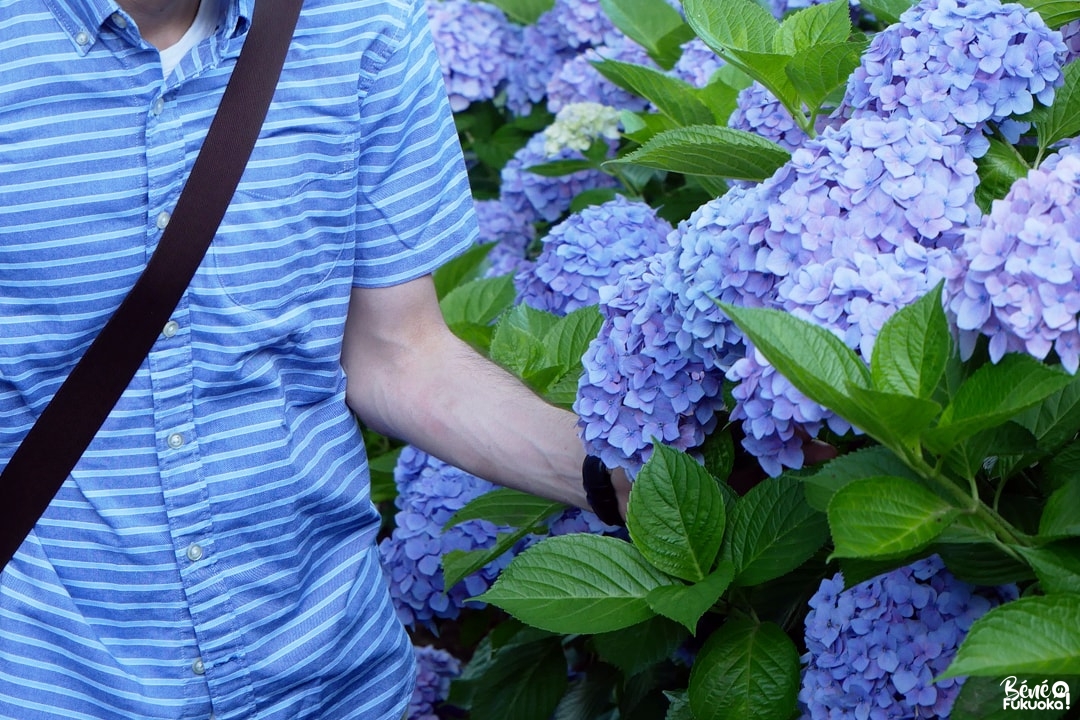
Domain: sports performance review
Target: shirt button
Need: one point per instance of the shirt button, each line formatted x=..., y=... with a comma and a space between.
x=175, y=440
x=162, y=220
x=82, y=37
x=158, y=106
x=195, y=552
x=171, y=328
x=119, y=20
x=197, y=667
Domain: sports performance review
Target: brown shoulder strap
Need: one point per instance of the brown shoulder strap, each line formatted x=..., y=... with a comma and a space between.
x=67, y=425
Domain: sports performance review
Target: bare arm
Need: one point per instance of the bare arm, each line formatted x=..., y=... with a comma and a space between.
x=410, y=378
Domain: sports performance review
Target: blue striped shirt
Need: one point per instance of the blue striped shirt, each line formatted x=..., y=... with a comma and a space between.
x=212, y=553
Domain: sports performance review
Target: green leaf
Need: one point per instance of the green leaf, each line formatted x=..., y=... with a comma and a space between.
x=679, y=707
x=1063, y=466
x=813, y=26
x=577, y=584
x=887, y=11
x=686, y=604
x=1061, y=120
x=592, y=197
x=568, y=339
x=478, y=302
x=1055, y=13
x=745, y=670
x=720, y=98
x=896, y=417
x=1057, y=565
x=589, y=695
x=503, y=506
x=558, y=168
x=1056, y=420
x=1061, y=516
x=459, y=564
x=993, y=394
x=732, y=25
x=999, y=168
x=971, y=456
x=818, y=72
x=525, y=680
x=980, y=563
x=710, y=150
x=981, y=699
x=635, y=648
x=912, y=348
x=718, y=452
x=518, y=342
x=769, y=69
x=673, y=97
x=813, y=359
x=524, y=12
x=849, y=467
x=676, y=514
x=383, y=487
x=1033, y=635
x=642, y=127
x=773, y=531
x=886, y=517
x=652, y=24
x=463, y=268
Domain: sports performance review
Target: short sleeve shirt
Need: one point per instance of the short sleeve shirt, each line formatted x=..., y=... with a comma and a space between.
x=212, y=554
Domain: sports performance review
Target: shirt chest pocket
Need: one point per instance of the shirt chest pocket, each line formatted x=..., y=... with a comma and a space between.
x=290, y=223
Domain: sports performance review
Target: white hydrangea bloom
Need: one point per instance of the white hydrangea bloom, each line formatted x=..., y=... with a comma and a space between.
x=578, y=125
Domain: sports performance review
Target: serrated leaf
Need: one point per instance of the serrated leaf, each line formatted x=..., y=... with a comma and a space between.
x=1057, y=565
x=577, y=584
x=813, y=26
x=813, y=359
x=1063, y=466
x=525, y=680
x=673, y=97
x=998, y=169
x=503, y=506
x=524, y=12
x=769, y=69
x=685, y=604
x=818, y=72
x=1061, y=516
x=642, y=127
x=1054, y=13
x=1056, y=420
x=773, y=531
x=568, y=339
x=676, y=514
x=710, y=150
x=1041, y=634
x=635, y=648
x=558, y=168
x=897, y=418
x=732, y=25
x=459, y=564
x=980, y=563
x=912, y=348
x=518, y=342
x=589, y=695
x=383, y=485
x=652, y=24
x=679, y=707
x=993, y=394
x=721, y=99
x=887, y=11
x=463, y=268
x=1061, y=120
x=718, y=452
x=971, y=456
x=849, y=467
x=886, y=517
x=745, y=670
x=478, y=302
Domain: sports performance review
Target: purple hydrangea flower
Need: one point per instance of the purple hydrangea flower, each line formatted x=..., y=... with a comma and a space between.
x=511, y=232
x=475, y=44
x=637, y=384
x=780, y=8
x=961, y=63
x=584, y=252
x=538, y=197
x=1021, y=287
x=697, y=63
x=874, y=649
x=429, y=492
x=1070, y=35
x=435, y=670
x=544, y=50
x=584, y=23
x=758, y=111
x=578, y=81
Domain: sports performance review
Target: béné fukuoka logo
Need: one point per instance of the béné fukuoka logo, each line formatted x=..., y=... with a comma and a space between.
x=1039, y=696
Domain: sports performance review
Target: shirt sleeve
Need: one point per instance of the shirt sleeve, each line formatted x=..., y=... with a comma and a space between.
x=414, y=206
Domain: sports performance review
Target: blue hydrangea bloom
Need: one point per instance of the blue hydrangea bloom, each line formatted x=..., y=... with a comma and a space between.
x=780, y=8
x=584, y=23
x=584, y=253
x=511, y=232
x=538, y=197
x=544, y=50
x=475, y=44
x=961, y=63
x=435, y=670
x=697, y=63
x=637, y=384
x=578, y=81
x=1070, y=35
x=758, y=111
x=1021, y=287
x=874, y=649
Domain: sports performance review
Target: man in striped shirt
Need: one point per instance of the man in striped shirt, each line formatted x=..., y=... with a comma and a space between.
x=212, y=554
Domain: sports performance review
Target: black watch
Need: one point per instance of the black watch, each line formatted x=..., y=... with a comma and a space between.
x=600, y=492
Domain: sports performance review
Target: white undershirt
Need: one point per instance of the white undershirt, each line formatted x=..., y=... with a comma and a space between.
x=202, y=27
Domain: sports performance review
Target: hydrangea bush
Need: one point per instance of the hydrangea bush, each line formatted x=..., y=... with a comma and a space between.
x=808, y=271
